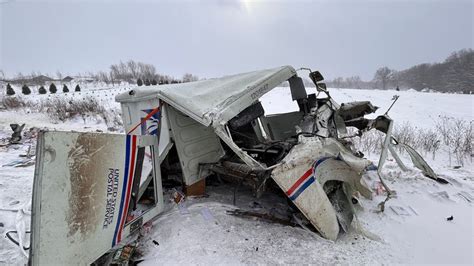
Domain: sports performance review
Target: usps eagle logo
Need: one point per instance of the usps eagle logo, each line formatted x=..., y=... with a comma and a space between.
x=150, y=124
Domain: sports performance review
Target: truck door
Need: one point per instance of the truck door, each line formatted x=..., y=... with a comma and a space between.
x=85, y=198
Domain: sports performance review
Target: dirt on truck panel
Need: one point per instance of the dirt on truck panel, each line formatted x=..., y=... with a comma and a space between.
x=83, y=163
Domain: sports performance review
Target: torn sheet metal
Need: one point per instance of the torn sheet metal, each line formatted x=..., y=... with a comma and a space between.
x=419, y=162
x=353, y=110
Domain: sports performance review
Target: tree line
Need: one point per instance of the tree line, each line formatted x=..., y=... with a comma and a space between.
x=131, y=72
x=454, y=74
x=139, y=73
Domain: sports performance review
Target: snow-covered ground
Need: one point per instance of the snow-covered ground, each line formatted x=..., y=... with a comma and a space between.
x=419, y=108
x=413, y=228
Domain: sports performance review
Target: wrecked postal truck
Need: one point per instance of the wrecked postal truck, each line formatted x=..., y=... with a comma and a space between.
x=93, y=190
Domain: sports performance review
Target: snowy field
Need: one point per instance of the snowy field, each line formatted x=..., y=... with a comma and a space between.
x=413, y=229
x=419, y=108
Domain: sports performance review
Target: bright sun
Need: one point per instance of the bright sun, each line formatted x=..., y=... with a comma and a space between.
x=247, y=4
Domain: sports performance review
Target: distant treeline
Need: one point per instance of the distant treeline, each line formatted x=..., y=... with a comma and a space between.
x=455, y=74
x=131, y=72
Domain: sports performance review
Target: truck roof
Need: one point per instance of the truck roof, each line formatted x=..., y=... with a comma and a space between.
x=213, y=100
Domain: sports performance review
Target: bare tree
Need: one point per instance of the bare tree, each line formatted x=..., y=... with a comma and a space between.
x=353, y=82
x=189, y=77
x=103, y=77
x=20, y=78
x=132, y=66
x=114, y=72
x=34, y=74
x=147, y=71
x=59, y=75
x=337, y=82
x=125, y=74
x=384, y=75
x=112, y=79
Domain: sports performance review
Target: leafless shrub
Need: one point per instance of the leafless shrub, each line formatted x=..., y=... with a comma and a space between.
x=406, y=133
x=369, y=142
x=468, y=141
x=13, y=102
x=113, y=120
x=455, y=135
x=61, y=109
x=428, y=141
x=459, y=136
x=443, y=127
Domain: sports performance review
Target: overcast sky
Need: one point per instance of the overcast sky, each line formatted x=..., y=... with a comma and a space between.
x=214, y=38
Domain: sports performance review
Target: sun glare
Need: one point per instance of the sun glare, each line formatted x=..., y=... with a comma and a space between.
x=248, y=4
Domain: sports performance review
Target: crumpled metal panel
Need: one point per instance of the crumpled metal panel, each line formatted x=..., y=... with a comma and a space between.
x=214, y=100
x=304, y=171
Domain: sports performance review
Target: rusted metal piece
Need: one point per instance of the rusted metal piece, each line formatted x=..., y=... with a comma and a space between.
x=241, y=174
x=196, y=189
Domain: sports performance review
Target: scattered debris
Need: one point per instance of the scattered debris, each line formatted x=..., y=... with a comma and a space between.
x=123, y=255
x=30, y=152
x=177, y=196
x=31, y=133
x=263, y=216
x=146, y=228
x=16, y=136
x=441, y=195
x=26, y=163
x=413, y=210
x=379, y=188
x=401, y=211
x=465, y=196
x=21, y=163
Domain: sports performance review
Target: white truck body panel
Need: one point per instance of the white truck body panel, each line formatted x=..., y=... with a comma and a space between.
x=195, y=144
x=304, y=171
x=81, y=195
